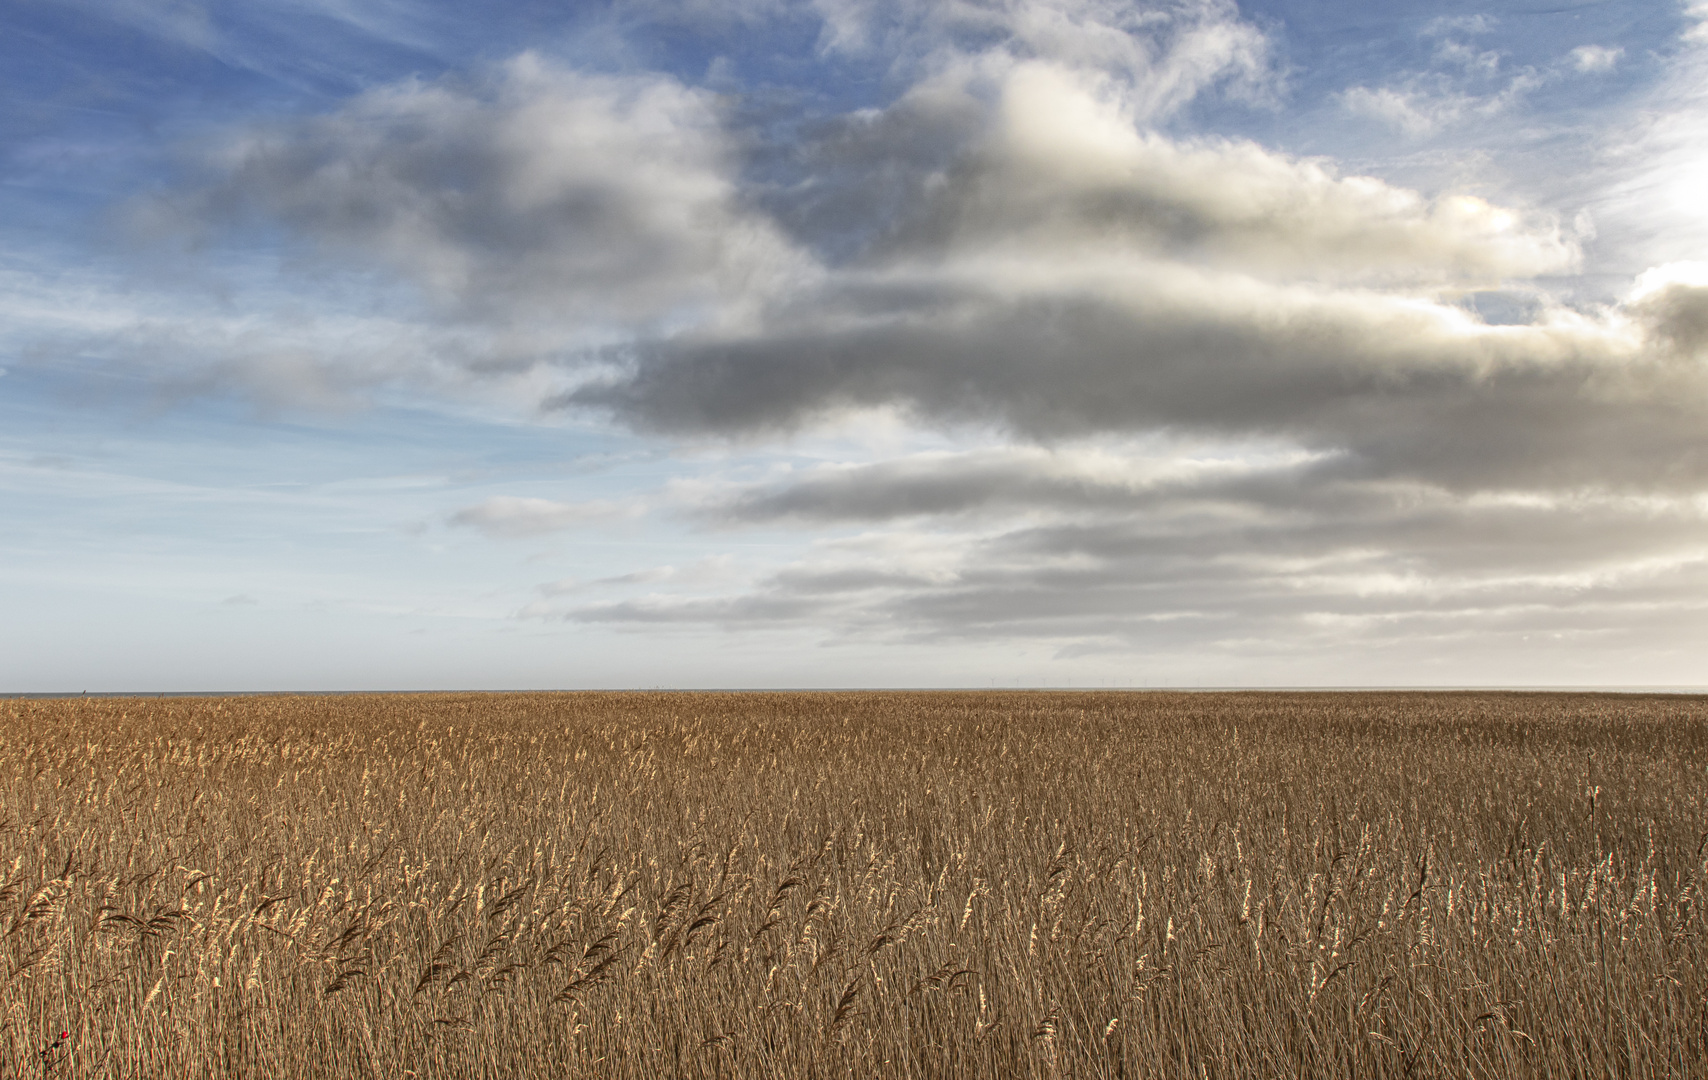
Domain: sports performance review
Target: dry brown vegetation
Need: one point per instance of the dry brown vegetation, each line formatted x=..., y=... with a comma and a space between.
x=795, y=885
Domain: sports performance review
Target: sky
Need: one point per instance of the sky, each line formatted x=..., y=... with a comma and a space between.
x=408, y=344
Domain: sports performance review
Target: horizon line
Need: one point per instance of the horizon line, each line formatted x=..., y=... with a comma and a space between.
x=1681, y=690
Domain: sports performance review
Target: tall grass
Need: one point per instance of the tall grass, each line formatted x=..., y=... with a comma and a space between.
x=817, y=885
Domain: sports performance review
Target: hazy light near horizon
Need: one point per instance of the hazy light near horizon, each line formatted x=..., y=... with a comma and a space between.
x=852, y=342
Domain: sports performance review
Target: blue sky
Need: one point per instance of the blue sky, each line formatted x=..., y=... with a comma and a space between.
x=852, y=342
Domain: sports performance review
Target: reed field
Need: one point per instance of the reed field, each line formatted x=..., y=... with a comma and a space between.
x=1028, y=884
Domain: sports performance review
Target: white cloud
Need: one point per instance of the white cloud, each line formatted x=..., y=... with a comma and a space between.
x=1066, y=175
x=515, y=517
x=569, y=198
x=1596, y=58
x=1073, y=274
x=1001, y=482
x=1043, y=261
x=1697, y=12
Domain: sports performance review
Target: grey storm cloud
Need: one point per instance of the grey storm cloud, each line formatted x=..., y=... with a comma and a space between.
x=1409, y=389
x=1067, y=274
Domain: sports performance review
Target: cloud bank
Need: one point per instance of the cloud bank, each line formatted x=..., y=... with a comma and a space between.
x=1207, y=391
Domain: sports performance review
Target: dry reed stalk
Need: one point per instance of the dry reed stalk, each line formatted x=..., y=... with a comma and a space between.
x=967, y=885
